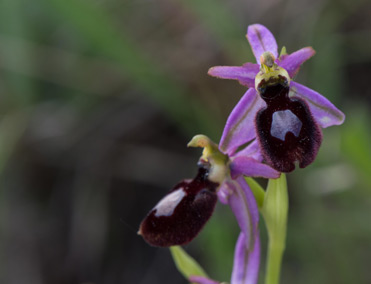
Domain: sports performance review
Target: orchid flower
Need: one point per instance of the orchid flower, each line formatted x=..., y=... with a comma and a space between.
x=182, y=213
x=284, y=118
x=283, y=115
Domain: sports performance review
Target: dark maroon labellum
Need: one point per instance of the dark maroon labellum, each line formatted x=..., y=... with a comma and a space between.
x=182, y=213
x=286, y=129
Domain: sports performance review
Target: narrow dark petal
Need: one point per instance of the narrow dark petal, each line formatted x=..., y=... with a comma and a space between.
x=182, y=213
x=286, y=130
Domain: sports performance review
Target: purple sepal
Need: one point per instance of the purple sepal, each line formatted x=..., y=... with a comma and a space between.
x=246, y=262
x=293, y=61
x=323, y=111
x=252, y=151
x=240, y=126
x=261, y=40
x=247, y=166
x=244, y=207
x=202, y=280
x=244, y=74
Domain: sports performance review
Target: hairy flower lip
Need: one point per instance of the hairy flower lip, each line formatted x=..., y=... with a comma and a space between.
x=182, y=213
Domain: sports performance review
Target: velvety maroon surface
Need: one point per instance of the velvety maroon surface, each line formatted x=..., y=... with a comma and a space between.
x=187, y=217
x=301, y=148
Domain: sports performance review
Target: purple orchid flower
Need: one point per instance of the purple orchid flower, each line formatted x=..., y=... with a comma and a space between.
x=237, y=194
x=283, y=115
x=182, y=213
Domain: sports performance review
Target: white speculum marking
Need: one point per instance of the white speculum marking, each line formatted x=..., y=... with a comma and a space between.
x=284, y=121
x=167, y=205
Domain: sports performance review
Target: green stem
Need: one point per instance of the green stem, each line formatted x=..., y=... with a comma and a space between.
x=274, y=259
x=274, y=211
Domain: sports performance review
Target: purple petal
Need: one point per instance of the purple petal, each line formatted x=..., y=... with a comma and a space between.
x=323, y=111
x=202, y=280
x=244, y=207
x=244, y=165
x=293, y=61
x=246, y=262
x=244, y=74
x=240, y=126
x=252, y=151
x=261, y=40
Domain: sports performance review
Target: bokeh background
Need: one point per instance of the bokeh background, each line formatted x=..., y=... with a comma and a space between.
x=98, y=99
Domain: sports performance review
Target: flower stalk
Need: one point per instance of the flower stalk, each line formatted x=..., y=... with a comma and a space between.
x=274, y=211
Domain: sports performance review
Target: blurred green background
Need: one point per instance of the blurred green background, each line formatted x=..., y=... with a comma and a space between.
x=98, y=99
